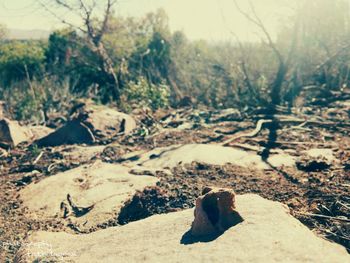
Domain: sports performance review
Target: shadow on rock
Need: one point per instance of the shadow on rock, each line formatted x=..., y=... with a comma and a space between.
x=188, y=238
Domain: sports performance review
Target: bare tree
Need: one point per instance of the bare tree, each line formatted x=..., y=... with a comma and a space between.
x=94, y=29
x=283, y=61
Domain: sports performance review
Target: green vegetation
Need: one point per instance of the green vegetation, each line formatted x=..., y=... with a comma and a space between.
x=138, y=61
x=20, y=60
x=143, y=93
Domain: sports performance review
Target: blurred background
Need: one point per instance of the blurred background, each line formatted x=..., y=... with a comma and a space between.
x=160, y=53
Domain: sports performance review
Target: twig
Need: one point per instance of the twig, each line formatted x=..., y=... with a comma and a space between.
x=299, y=127
x=255, y=19
x=29, y=80
x=51, y=167
x=344, y=205
x=333, y=56
x=336, y=235
x=296, y=142
x=38, y=158
x=255, y=132
x=60, y=18
x=282, y=119
x=314, y=122
x=325, y=217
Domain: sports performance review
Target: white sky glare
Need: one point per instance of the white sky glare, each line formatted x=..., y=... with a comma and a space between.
x=199, y=19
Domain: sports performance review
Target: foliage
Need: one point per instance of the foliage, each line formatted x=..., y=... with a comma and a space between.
x=58, y=54
x=322, y=55
x=20, y=60
x=143, y=93
x=33, y=101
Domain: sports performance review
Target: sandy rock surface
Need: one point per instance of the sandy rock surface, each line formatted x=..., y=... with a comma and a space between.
x=87, y=196
x=211, y=154
x=267, y=234
x=81, y=153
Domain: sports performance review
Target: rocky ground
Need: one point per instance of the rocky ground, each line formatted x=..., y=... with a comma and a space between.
x=308, y=168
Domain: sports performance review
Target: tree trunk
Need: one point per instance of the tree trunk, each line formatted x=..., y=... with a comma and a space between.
x=108, y=69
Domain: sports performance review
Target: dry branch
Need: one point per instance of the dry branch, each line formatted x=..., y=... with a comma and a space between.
x=94, y=33
x=38, y=158
x=255, y=132
x=325, y=217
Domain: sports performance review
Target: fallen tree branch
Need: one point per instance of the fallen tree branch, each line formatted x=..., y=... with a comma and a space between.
x=337, y=235
x=325, y=217
x=255, y=132
x=281, y=119
x=296, y=142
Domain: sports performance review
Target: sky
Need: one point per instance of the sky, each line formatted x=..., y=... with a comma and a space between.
x=200, y=19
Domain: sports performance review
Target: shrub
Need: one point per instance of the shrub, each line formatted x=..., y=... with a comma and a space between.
x=143, y=93
x=20, y=60
x=33, y=101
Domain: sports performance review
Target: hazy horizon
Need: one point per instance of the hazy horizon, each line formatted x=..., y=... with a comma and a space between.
x=212, y=20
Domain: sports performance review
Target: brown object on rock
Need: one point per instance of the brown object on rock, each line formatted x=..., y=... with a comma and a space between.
x=215, y=212
x=11, y=133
